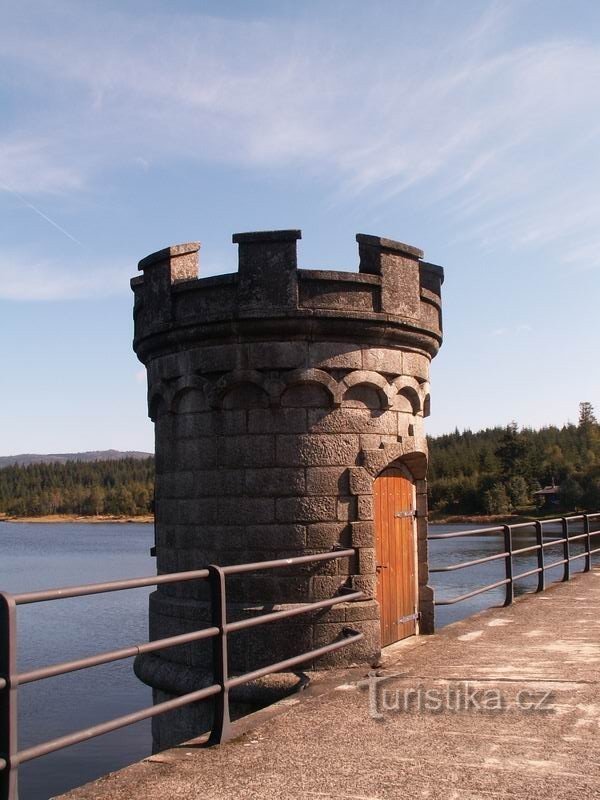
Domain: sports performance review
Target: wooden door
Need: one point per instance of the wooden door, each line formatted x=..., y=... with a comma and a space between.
x=395, y=555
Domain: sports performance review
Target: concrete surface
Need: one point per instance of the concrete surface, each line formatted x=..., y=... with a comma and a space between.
x=326, y=745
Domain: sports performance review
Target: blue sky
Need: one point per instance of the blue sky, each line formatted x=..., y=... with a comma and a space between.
x=469, y=129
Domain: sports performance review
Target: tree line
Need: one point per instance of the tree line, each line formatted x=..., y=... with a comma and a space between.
x=497, y=470
x=494, y=471
x=122, y=487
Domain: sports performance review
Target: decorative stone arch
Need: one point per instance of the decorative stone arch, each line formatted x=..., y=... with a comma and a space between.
x=372, y=379
x=190, y=387
x=159, y=401
x=410, y=389
x=238, y=378
x=317, y=377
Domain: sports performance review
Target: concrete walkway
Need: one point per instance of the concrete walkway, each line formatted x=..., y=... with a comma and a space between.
x=327, y=745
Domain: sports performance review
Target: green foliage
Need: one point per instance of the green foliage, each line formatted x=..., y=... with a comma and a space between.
x=586, y=415
x=496, y=500
x=470, y=473
x=119, y=487
x=571, y=493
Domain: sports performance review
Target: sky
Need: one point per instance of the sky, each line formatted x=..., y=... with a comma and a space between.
x=469, y=129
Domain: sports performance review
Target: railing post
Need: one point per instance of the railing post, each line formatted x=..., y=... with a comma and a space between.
x=221, y=727
x=566, y=549
x=508, y=561
x=539, y=538
x=8, y=697
x=587, y=544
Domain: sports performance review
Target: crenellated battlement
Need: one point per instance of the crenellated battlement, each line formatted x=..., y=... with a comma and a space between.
x=394, y=293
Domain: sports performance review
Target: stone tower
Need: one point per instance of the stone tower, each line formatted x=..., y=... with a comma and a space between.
x=279, y=395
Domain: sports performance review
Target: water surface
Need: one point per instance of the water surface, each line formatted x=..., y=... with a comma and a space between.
x=38, y=556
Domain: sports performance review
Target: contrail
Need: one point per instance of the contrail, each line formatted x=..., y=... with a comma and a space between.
x=40, y=213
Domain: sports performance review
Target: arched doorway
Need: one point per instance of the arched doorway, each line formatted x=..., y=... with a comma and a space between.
x=395, y=544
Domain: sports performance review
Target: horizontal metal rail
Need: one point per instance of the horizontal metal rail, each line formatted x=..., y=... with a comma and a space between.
x=112, y=655
x=10, y=679
x=507, y=553
x=106, y=727
x=111, y=586
x=464, y=564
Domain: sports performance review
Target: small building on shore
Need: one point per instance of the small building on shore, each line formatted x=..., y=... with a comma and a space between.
x=548, y=497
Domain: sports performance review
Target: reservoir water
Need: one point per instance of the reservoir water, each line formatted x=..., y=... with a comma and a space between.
x=38, y=556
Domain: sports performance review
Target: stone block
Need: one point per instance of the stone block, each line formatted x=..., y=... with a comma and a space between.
x=191, y=454
x=366, y=560
x=422, y=556
x=246, y=510
x=277, y=420
x=335, y=355
x=363, y=534
x=232, y=421
x=375, y=460
x=364, y=650
x=416, y=365
x=346, y=508
x=365, y=507
x=189, y=426
x=326, y=480
x=187, y=512
x=359, y=610
x=212, y=483
x=218, y=358
x=323, y=587
x=269, y=588
x=317, y=450
x=370, y=441
x=174, y=484
x=364, y=583
x=324, y=535
x=352, y=420
x=360, y=481
x=277, y=355
x=426, y=609
x=246, y=451
x=306, y=395
x=275, y=537
x=267, y=271
x=383, y=359
x=276, y=481
x=347, y=565
x=325, y=567
x=305, y=509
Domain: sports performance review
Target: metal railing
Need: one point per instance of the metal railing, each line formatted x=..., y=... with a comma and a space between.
x=11, y=679
x=539, y=548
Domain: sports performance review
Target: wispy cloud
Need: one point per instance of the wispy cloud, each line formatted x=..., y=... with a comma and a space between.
x=492, y=134
x=23, y=277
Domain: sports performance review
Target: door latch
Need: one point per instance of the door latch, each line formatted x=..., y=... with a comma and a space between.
x=408, y=618
x=405, y=514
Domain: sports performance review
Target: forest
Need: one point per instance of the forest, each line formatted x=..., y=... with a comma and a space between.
x=497, y=470
x=123, y=487
x=494, y=471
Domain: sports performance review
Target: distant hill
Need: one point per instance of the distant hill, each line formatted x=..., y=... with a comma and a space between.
x=61, y=458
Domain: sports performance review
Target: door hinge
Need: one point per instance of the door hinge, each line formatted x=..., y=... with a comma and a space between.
x=404, y=514
x=408, y=618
